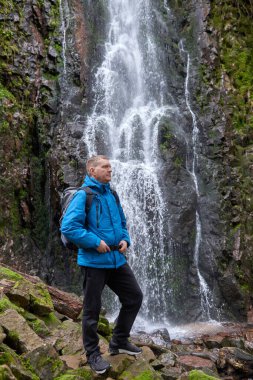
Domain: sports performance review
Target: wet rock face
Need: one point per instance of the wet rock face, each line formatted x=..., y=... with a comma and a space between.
x=29, y=61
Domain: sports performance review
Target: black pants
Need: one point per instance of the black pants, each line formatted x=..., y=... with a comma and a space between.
x=122, y=282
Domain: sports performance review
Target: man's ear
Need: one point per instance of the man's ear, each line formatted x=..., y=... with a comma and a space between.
x=91, y=171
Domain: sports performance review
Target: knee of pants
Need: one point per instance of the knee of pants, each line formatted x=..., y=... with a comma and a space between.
x=139, y=298
x=136, y=300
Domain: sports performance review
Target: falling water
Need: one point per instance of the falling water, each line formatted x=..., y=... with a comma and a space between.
x=205, y=293
x=129, y=104
x=65, y=15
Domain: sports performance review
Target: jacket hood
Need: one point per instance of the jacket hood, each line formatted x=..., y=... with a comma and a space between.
x=92, y=182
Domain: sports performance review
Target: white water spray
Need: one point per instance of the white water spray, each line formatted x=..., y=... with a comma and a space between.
x=65, y=16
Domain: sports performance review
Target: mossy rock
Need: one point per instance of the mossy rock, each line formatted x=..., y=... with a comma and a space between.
x=46, y=362
x=77, y=374
x=39, y=327
x=5, y=373
x=33, y=297
x=145, y=375
x=6, y=304
x=104, y=326
x=19, y=367
x=51, y=320
x=200, y=375
x=9, y=274
x=41, y=302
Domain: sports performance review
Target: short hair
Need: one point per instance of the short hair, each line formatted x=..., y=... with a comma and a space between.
x=93, y=161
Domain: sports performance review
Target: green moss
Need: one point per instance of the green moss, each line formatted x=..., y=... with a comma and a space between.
x=17, y=363
x=5, y=373
x=9, y=274
x=6, y=94
x=200, y=375
x=104, y=326
x=77, y=374
x=51, y=320
x=146, y=375
x=6, y=304
x=6, y=358
x=39, y=327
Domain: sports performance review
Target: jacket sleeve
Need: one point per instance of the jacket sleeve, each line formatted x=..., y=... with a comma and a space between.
x=126, y=236
x=74, y=221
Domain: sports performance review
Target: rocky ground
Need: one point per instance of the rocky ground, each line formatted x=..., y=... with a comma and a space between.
x=40, y=338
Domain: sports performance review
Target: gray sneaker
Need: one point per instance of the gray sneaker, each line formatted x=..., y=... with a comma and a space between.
x=124, y=348
x=97, y=363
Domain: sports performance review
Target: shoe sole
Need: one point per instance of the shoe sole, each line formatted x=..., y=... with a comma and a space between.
x=122, y=351
x=101, y=371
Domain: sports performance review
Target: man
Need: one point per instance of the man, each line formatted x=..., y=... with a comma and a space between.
x=102, y=238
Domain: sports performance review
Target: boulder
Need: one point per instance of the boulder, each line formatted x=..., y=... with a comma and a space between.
x=19, y=334
x=46, y=362
x=119, y=363
x=190, y=362
x=5, y=373
x=140, y=369
x=73, y=361
x=15, y=363
x=33, y=297
x=68, y=338
x=148, y=354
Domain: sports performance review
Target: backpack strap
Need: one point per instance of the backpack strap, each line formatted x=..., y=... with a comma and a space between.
x=89, y=198
x=114, y=192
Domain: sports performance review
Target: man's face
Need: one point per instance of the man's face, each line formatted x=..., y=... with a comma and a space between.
x=102, y=171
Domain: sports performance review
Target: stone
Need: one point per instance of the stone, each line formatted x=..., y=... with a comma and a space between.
x=103, y=326
x=46, y=362
x=68, y=338
x=9, y=357
x=77, y=374
x=119, y=363
x=138, y=369
x=2, y=335
x=193, y=362
x=168, y=359
x=34, y=297
x=148, y=354
x=73, y=361
x=213, y=341
x=170, y=373
x=18, y=332
x=5, y=373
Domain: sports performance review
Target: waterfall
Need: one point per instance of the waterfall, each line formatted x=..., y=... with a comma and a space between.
x=129, y=93
x=205, y=292
x=64, y=15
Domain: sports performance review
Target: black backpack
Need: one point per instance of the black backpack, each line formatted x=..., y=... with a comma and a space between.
x=67, y=197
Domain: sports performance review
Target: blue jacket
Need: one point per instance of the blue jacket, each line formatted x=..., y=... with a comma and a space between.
x=105, y=221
